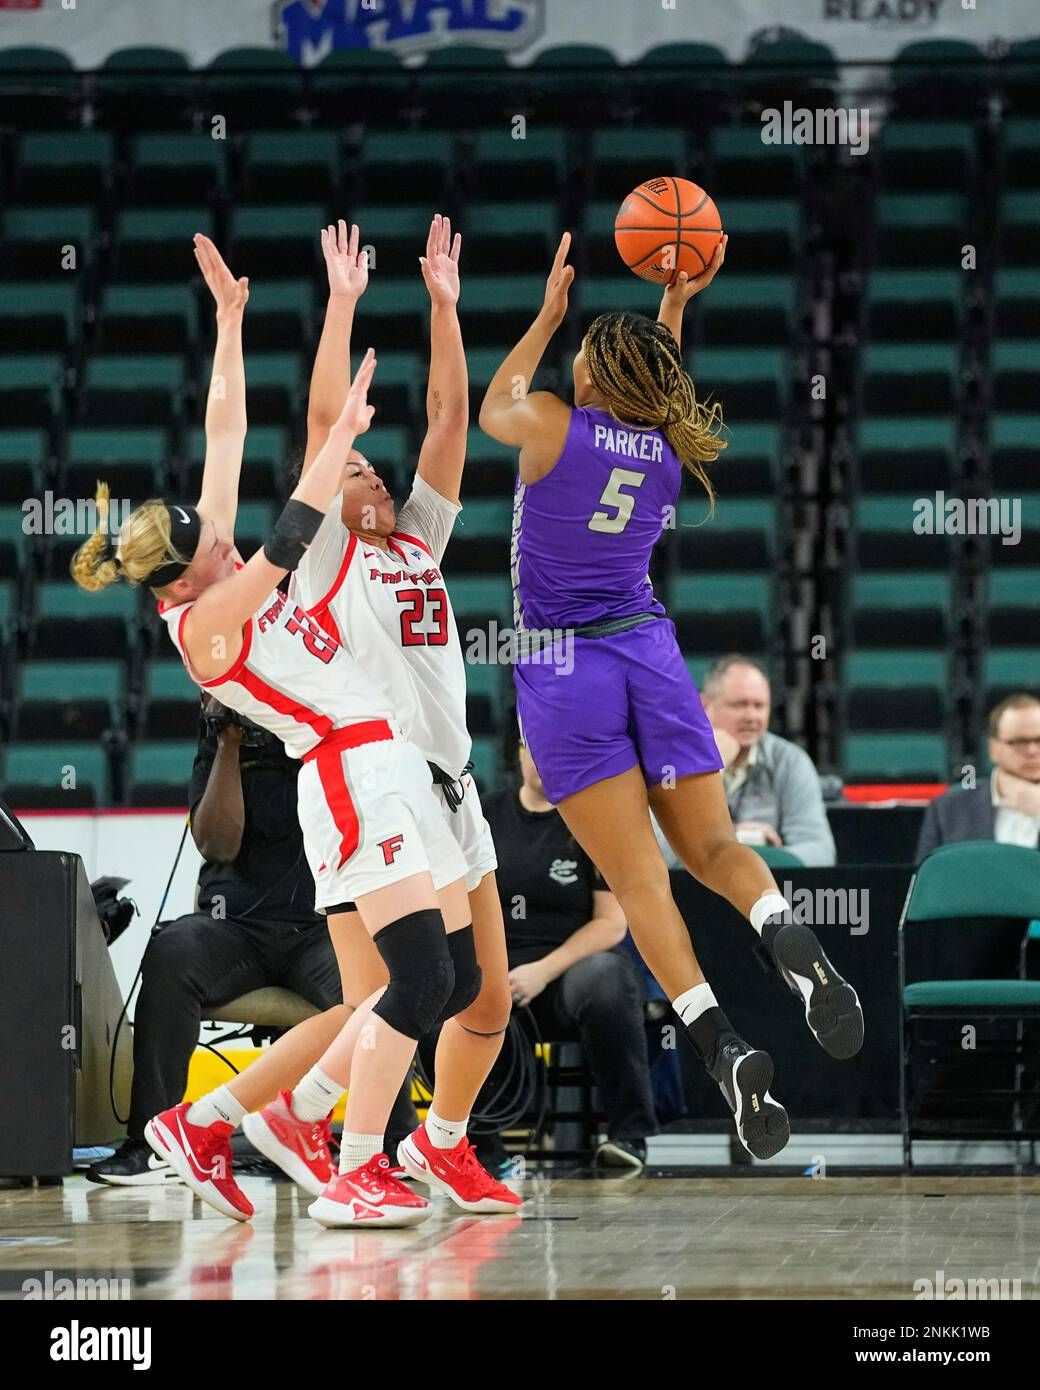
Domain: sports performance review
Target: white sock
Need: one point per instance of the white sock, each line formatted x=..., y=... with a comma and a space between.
x=218, y=1106
x=444, y=1134
x=694, y=1002
x=357, y=1149
x=315, y=1095
x=768, y=905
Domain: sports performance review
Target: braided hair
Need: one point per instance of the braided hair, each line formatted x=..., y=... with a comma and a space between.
x=144, y=543
x=635, y=365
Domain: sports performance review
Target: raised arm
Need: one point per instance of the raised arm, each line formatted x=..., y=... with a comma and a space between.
x=226, y=404
x=213, y=629
x=536, y=421
x=678, y=295
x=443, y=453
x=330, y=377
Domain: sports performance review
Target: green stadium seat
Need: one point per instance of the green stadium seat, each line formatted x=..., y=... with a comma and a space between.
x=158, y=773
x=488, y=595
x=490, y=466
x=486, y=762
x=752, y=310
x=56, y=774
x=893, y=690
x=1014, y=451
x=38, y=87
x=274, y=386
x=675, y=81
x=156, y=243
x=486, y=678
x=160, y=78
x=911, y=454
x=566, y=83
x=499, y=309
x=618, y=158
x=947, y=75
x=57, y=166
x=900, y=609
x=894, y=669
x=922, y=156
x=625, y=293
x=1017, y=295
x=895, y=757
x=786, y=66
x=911, y=379
x=23, y=464
x=1015, y=372
x=281, y=314
x=266, y=463
x=37, y=317
x=466, y=86
x=721, y=593
x=291, y=167
x=395, y=236
x=1018, y=228
x=885, y=538
x=395, y=313
x=1006, y=670
x=254, y=87
x=751, y=383
x=132, y=462
x=37, y=242
x=1020, y=144
x=1018, y=71
x=277, y=242
x=765, y=233
x=359, y=78
x=15, y=543
x=486, y=517
x=518, y=237
x=921, y=229
x=749, y=465
x=31, y=388
x=418, y=164
x=148, y=318
x=388, y=450
x=1013, y=528
x=915, y=305
x=741, y=534
x=534, y=167
x=740, y=160
x=1011, y=607
x=168, y=680
x=62, y=680
x=133, y=391
x=176, y=169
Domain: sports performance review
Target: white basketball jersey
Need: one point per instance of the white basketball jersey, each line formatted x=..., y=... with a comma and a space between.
x=390, y=609
x=292, y=677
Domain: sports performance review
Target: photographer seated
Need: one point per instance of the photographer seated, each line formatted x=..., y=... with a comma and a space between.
x=254, y=925
x=564, y=931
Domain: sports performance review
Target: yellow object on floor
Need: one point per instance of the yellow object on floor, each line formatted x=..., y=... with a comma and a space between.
x=206, y=1071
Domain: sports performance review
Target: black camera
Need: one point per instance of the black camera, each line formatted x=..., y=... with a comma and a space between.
x=252, y=734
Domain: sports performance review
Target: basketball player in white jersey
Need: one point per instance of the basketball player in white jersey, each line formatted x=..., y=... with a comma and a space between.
x=372, y=579
x=373, y=831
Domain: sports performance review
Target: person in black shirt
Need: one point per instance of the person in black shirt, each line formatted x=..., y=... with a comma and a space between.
x=254, y=925
x=564, y=930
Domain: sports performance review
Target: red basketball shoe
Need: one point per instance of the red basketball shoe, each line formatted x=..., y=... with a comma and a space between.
x=201, y=1154
x=457, y=1172
x=371, y=1195
x=299, y=1147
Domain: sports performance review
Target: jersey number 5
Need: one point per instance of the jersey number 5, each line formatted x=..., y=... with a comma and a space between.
x=417, y=601
x=623, y=503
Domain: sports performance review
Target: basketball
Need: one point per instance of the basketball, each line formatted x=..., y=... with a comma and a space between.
x=667, y=225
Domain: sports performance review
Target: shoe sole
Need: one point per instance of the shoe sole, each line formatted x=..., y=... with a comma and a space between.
x=263, y=1138
x=336, y=1215
x=412, y=1161
x=612, y=1157
x=832, y=1010
x=162, y=1143
x=762, y=1124
x=153, y=1178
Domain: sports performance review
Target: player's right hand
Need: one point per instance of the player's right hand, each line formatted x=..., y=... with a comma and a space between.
x=557, y=287
x=347, y=267
x=230, y=294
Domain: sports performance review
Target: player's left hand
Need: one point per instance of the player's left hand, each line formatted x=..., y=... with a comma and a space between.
x=685, y=286
x=230, y=294
x=440, y=265
x=526, y=982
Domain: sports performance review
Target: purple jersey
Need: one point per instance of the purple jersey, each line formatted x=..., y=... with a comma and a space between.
x=582, y=535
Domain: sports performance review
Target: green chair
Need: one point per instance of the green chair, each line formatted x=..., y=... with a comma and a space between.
x=751, y=383
x=72, y=773
x=31, y=250
x=518, y=237
x=291, y=166
x=778, y=858
x=1018, y=224
x=156, y=243
x=77, y=163
x=158, y=79
x=254, y=87
x=899, y=454
x=1016, y=374
x=920, y=229
x=765, y=233
x=979, y=880
x=176, y=169
x=133, y=391
x=163, y=765
x=618, y=158
x=926, y=155
x=532, y=167
x=741, y=161
x=38, y=87
x=276, y=241
x=915, y=305
x=895, y=758
x=31, y=389
x=414, y=164
x=753, y=310
x=910, y=379
x=367, y=78
x=148, y=318
x=280, y=314
x=39, y=317
x=946, y=75
x=23, y=464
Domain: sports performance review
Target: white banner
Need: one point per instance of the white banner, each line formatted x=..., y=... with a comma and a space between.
x=857, y=30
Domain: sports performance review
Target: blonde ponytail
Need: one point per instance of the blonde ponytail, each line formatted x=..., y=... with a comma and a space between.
x=144, y=544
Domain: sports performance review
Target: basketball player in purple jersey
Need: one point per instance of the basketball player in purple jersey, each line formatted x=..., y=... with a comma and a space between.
x=605, y=702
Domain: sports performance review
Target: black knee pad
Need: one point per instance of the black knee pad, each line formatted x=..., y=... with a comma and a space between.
x=415, y=951
x=468, y=975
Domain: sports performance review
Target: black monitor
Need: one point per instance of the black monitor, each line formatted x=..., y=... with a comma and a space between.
x=13, y=835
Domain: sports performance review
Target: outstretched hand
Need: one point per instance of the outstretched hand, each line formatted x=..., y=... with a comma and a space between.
x=558, y=285
x=684, y=286
x=347, y=267
x=230, y=294
x=440, y=265
x=357, y=413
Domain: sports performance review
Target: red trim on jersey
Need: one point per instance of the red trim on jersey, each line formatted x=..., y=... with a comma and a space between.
x=338, y=800
x=323, y=617
x=351, y=736
x=323, y=603
x=282, y=704
x=413, y=540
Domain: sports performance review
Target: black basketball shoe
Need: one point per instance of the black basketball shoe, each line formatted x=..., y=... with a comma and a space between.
x=744, y=1075
x=832, y=1007
x=132, y=1165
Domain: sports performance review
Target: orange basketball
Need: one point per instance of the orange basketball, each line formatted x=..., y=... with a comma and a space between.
x=667, y=225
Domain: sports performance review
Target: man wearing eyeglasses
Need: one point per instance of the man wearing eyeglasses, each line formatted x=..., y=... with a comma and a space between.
x=1006, y=806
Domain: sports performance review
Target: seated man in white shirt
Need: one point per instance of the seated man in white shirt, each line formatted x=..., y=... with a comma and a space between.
x=1004, y=806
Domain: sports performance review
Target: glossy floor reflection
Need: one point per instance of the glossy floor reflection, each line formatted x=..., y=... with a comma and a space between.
x=600, y=1238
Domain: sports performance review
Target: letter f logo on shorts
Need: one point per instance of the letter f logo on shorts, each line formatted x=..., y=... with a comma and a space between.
x=390, y=848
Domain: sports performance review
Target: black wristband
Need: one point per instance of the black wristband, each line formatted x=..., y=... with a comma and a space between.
x=293, y=532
